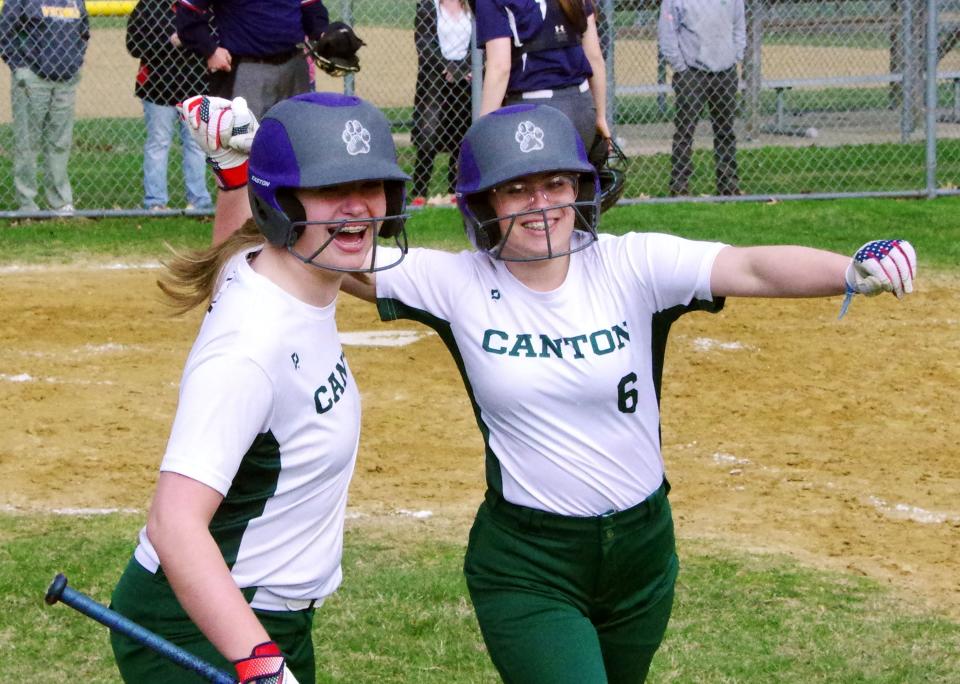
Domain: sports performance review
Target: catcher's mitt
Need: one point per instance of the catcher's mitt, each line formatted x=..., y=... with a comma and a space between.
x=335, y=51
x=611, y=164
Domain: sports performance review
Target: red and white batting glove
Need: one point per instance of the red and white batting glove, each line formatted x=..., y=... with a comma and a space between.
x=265, y=665
x=224, y=129
x=881, y=266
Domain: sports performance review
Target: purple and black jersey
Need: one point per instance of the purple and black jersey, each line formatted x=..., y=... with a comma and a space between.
x=523, y=21
x=249, y=28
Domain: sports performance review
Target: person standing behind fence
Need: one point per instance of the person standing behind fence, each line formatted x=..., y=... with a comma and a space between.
x=253, y=53
x=703, y=40
x=44, y=43
x=442, y=102
x=168, y=75
x=545, y=52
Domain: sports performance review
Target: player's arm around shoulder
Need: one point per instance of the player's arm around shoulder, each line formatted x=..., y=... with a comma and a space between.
x=360, y=285
x=795, y=271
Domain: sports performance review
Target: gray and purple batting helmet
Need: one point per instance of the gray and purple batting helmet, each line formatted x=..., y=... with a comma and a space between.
x=320, y=140
x=516, y=141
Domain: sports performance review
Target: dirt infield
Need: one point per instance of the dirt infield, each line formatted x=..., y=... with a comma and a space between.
x=784, y=430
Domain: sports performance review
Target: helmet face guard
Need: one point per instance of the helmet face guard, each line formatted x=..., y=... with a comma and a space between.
x=321, y=140
x=494, y=226
x=513, y=142
x=400, y=240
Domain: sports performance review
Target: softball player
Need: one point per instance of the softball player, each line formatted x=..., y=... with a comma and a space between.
x=546, y=52
x=559, y=333
x=244, y=536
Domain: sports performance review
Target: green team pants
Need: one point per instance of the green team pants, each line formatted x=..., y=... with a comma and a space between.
x=572, y=600
x=148, y=600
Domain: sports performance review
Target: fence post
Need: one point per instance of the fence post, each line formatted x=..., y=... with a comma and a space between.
x=476, y=65
x=932, y=48
x=752, y=66
x=608, y=46
x=908, y=71
x=346, y=16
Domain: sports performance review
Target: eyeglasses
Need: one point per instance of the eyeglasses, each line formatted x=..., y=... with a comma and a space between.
x=557, y=189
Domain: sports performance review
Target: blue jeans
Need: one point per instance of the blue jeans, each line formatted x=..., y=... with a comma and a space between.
x=161, y=121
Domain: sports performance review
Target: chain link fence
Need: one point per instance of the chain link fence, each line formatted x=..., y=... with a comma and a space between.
x=832, y=99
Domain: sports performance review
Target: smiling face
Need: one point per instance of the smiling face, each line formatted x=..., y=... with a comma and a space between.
x=342, y=222
x=536, y=214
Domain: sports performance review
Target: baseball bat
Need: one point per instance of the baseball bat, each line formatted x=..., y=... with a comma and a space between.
x=59, y=591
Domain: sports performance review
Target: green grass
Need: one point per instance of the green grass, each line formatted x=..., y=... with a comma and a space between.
x=933, y=226
x=403, y=614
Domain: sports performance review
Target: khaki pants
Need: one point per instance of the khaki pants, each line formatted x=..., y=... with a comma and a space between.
x=43, y=113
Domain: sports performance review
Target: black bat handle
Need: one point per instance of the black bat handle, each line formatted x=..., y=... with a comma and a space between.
x=59, y=591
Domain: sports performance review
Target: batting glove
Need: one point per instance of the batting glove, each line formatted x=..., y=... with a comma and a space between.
x=224, y=129
x=881, y=266
x=265, y=665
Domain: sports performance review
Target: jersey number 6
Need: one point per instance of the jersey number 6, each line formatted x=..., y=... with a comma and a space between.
x=626, y=394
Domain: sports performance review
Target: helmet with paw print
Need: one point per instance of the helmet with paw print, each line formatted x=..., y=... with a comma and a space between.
x=320, y=140
x=516, y=141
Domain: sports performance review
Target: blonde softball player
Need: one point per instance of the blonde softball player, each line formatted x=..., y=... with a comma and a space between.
x=245, y=532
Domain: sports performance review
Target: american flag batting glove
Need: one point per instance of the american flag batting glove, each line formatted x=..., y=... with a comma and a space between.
x=265, y=665
x=881, y=266
x=224, y=130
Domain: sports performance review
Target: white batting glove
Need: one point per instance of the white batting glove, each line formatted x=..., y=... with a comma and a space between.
x=881, y=266
x=224, y=130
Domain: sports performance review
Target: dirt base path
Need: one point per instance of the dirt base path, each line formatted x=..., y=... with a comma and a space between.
x=784, y=430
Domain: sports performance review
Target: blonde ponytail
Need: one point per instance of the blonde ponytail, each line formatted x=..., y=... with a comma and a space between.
x=192, y=276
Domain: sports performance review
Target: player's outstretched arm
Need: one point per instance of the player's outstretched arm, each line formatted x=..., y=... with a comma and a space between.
x=793, y=271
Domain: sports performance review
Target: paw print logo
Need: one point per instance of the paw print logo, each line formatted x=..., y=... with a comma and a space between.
x=356, y=138
x=530, y=136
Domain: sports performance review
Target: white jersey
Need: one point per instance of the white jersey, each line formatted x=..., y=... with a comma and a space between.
x=269, y=416
x=565, y=384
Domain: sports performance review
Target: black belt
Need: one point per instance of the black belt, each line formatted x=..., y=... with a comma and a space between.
x=279, y=58
x=535, y=519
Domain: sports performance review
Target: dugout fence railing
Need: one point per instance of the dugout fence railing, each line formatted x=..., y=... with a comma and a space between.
x=836, y=98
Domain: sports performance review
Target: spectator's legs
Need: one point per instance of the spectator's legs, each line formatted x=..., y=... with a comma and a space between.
x=457, y=123
x=58, y=139
x=688, y=89
x=722, y=96
x=423, y=170
x=194, y=169
x=29, y=105
x=264, y=85
x=159, y=121
x=452, y=174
